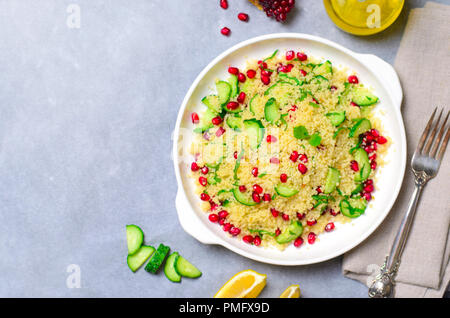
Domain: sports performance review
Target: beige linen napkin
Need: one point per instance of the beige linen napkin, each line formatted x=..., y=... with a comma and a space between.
x=422, y=63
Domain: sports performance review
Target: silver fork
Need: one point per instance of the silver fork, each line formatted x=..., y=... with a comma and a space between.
x=425, y=165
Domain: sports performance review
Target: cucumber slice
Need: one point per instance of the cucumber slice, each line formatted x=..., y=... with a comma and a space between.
x=186, y=269
x=324, y=68
x=363, y=97
x=212, y=102
x=336, y=118
x=157, y=259
x=169, y=268
x=135, y=237
x=253, y=103
x=255, y=131
x=352, y=208
x=294, y=230
x=205, y=121
x=223, y=92
x=362, y=159
x=285, y=191
x=140, y=257
x=242, y=198
x=333, y=178
x=271, y=111
x=360, y=127
x=234, y=123
x=234, y=82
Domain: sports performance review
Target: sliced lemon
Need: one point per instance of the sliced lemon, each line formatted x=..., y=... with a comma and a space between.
x=292, y=291
x=245, y=284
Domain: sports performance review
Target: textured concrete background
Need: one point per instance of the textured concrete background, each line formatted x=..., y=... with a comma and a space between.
x=86, y=117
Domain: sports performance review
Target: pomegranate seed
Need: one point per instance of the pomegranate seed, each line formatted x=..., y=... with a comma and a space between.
x=243, y=17
x=283, y=177
x=266, y=73
x=283, y=69
x=235, y=231
x=241, y=77
x=262, y=65
x=255, y=172
x=311, y=238
x=368, y=182
x=217, y=120
x=204, y=197
x=227, y=227
x=194, y=166
x=223, y=214
x=285, y=216
x=213, y=218
x=303, y=72
x=248, y=239
x=274, y=212
x=257, y=241
x=302, y=168
x=354, y=165
x=224, y=4
x=334, y=213
x=277, y=232
x=220, y=131
x=274, y=160
x=235, y=155
x=271, y=138
x=251, y=74
x=373, y=157
x=329, y=227
x=319, y=189
x=221, y=221
x=205, y=170
x=302, y=56
x=267, y=197
x=373, y=165
x=374, y=133
x=233, y=105
x=233, y=70
x=294, y=156
x=303, y=158
x=257, y=188
x=242, y=188
x=353, y=79
x=265, y=80
x=369, y=138
x=369, y=188
x=256, y=197
x=225, y=31
x=381, y=140
x=333, y=88
x=289, y=67
x=354, y=104
x=311, y=222
x=241, y=97
x=298, y=242
x=203, y=181
x=195, y=119
x=290, y=55
x=368, y=149
x=301, y=216
x=367, y=196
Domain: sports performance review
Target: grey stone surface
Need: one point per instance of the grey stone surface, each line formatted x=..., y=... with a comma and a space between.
x=86, y=117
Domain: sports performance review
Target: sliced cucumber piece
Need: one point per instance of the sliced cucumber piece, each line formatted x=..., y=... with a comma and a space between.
x=324, y=68
x=362, y=159
x=255, y=131
x=253, y=102
x=294, y=230
x=336, y=118
x=186, y=269
x=135, y=237
x=234, y=82
x=271, y=111
x=169, y=268
x=223, y=92
x=242, y=198
x=157, y=259
x=333, y=178
x=205, y=121
x=213, y=103
x=352, y=208
x=234, y=123
x=285, y=191
x=360, y=127
x=363, y=97
x=140, y=257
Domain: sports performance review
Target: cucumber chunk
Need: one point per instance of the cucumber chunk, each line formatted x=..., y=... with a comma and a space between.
x=360, y=127
x=285, y=191
x=205, y=121
x=363, y=97
x=234, y=123
x=169, y=268
x=333, y=178
x=223, y=92
x=135, y=237
x=253, y=103
x=362, y=159
x=234, y=82
x=353, y=208
x=255, y=131
x=336, y=118
x=242, y=198
x=213, y=103
x=136, y=260
x=324, y=68
x=294, y=230
x=157, y=259
x=271, y=111
x=186, y=269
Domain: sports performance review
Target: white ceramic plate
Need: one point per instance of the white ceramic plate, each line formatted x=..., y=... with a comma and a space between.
x=372, y=71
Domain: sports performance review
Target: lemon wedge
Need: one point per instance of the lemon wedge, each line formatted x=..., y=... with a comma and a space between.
x=292, y=291
x=245, y=284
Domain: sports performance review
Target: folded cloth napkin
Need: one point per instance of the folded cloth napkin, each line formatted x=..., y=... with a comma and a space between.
x=422, y=63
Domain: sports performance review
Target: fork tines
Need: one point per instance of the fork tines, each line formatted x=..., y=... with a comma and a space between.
x=433, y=136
